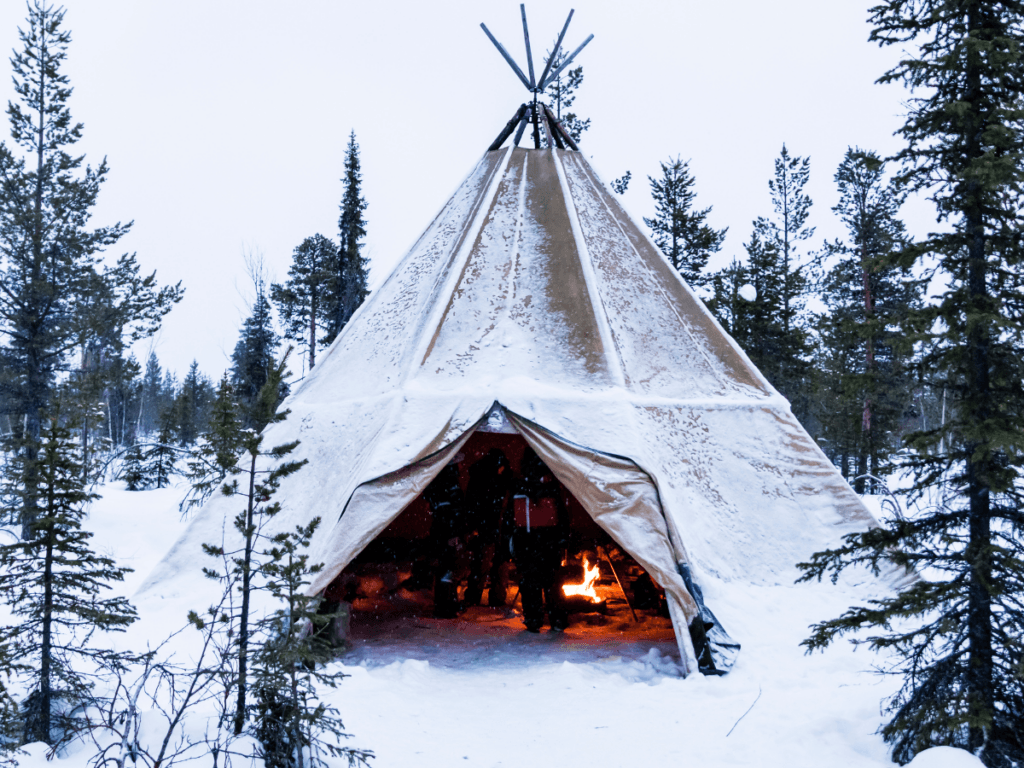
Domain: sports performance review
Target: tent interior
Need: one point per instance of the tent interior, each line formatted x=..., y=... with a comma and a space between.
x=389, y=584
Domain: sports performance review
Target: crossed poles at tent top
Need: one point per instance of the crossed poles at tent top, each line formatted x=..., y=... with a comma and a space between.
x=534, y=112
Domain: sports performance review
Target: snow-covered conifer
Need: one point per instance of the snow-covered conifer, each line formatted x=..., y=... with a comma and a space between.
x=295, y=728
x=53, y=582
x=349, y=288
x=304, y=301
x=864, y=381
x=160, y=456
x=681, y=232
x=956, y=632
x=134, y=472
x=254, y=478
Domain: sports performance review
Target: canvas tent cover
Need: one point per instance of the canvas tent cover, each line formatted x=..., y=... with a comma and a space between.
x=533, y=289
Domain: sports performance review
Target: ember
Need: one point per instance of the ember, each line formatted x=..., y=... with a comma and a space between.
x=586, y=589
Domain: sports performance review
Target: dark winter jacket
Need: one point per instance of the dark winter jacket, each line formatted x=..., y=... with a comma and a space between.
x=447, y=506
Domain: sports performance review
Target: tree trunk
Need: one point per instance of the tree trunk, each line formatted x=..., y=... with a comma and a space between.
x=867, y=442
x=243, y=622
x=978, y=459
x=46, y=644
x=35, y=378
x=312, y=326
x=862, y=469
x=294, y=675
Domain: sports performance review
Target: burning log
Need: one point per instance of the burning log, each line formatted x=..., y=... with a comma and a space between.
x=582, y=597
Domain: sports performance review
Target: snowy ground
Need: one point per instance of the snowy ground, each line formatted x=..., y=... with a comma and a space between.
x=433, y=698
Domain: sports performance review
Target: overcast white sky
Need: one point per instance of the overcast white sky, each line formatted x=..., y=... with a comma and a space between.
x=225, y=121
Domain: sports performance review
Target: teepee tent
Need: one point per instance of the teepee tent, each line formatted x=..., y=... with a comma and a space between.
x=534, y=304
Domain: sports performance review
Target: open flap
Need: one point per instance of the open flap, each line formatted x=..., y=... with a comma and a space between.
x=373, y=506
x=720, y=645
x=623, y=500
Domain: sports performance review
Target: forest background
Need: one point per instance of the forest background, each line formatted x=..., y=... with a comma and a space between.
x=225, y=125
x=834, y=310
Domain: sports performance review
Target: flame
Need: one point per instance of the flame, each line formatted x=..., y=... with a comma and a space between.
x=587, y=587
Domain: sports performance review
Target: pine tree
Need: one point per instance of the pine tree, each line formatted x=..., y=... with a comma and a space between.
x=350, y=284
x=775, y=334
x=621, y=184
x=728, y=304
x=680, y=232
x=48, y=256
x=8, y=705
x=863, y=359
x=288, y=719
x=150, y=405
x=304, y=301
x=160, y=457
x=109, y=379
x=134, y=472
x=254, y=353
x=193, y=405
x=955, y=634
x=260, y=471
x=216, y=454
x=561, y=95
x=52, y=582
x=788, y=228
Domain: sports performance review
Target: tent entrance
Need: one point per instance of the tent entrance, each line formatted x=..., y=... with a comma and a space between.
x=390, y=583
x=385, y=522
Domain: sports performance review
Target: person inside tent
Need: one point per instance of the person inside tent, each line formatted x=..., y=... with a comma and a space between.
x=447, y=529
x=490, y=480
x=541, y=533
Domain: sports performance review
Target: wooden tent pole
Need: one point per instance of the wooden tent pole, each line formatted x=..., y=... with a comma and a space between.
x=507, y=130
x=558, y=127
x=522, y=127
x=536, y=123
x=552, y=133
x=600, y=551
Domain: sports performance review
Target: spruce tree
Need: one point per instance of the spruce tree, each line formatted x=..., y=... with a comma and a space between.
x=289, y=721
x=134, y=472
x=728, y=304
x=253, y=478
x=775, y=335
x=159, y=457
x=349, y=287
x=49, y=257
x=150, y=404
x=863, y=360
x=679, y=231
x=956, y=633
x=621, y=184
x=254, y=354
x=52, y=582
x=216, y=454
x=561, y=94
x=8, y=705
x=193, y=405
x=304, y=301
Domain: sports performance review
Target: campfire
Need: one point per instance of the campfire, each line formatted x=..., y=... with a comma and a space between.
x=586, y=589
x=582, y=597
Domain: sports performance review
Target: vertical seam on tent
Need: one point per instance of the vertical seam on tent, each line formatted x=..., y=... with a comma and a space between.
x=517, y=238
x=700, y=303
x=457, y=267
x=371, y=299
x=699, y=347
x=600, y=314
x=632, y=415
